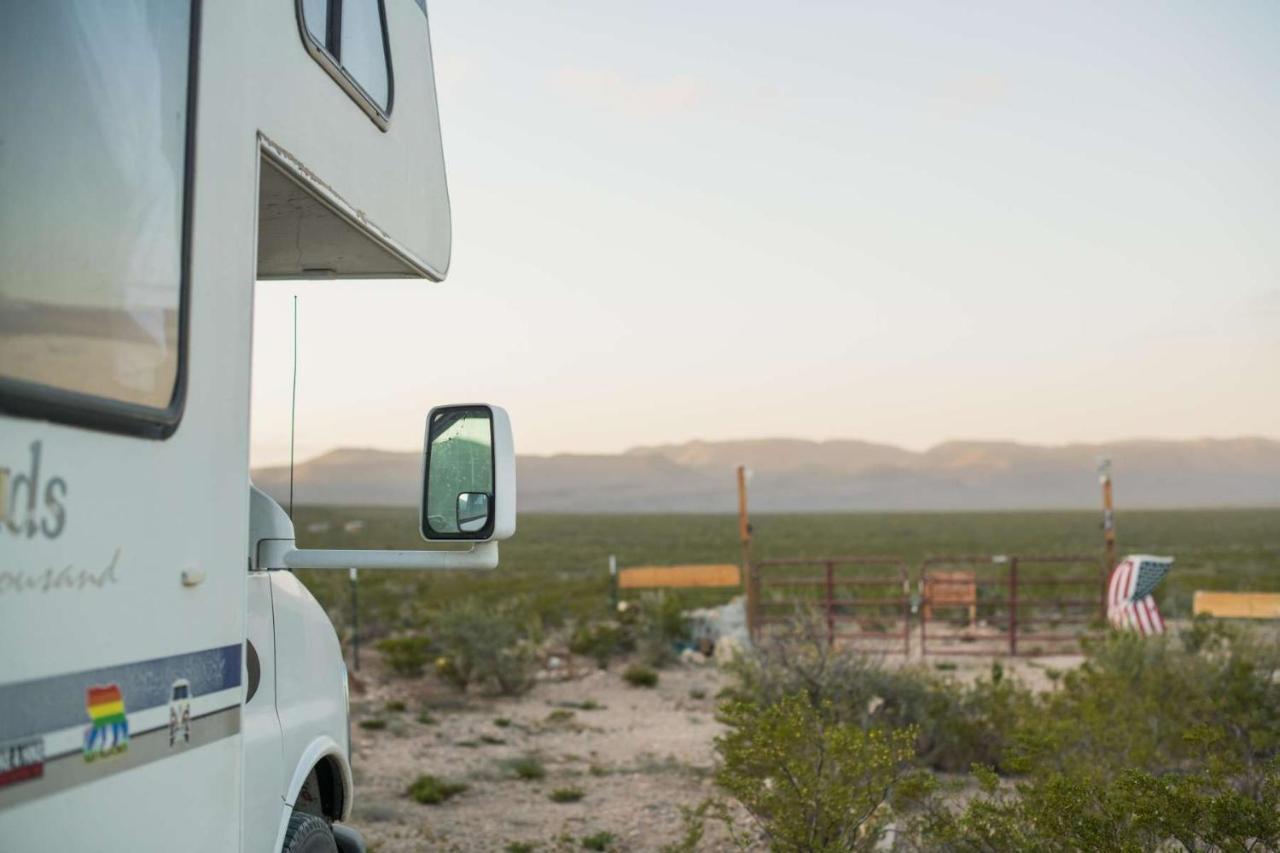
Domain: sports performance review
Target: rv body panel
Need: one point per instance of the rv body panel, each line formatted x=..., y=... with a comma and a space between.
x=125, y=553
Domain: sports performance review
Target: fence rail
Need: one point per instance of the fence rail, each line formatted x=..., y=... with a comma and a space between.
x=988, y=605
x=859, y=619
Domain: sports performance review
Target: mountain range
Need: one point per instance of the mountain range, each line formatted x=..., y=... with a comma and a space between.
x=794, y=475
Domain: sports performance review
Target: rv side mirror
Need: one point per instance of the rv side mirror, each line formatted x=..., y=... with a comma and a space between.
x=468, y=482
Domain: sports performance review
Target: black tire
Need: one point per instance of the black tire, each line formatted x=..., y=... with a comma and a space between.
x=308, y=834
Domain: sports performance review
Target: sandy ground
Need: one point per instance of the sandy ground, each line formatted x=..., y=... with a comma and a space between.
x=636, y=754
x=637, y=757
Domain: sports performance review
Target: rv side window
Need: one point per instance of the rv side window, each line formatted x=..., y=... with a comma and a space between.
x=349, y=40
x=93, y=211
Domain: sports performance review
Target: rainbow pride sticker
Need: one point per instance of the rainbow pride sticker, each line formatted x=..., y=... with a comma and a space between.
x=109, y=732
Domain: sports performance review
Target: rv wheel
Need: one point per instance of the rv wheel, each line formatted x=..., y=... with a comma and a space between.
x=308, y=833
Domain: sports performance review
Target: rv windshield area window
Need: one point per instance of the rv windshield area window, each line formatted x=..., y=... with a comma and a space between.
x=92, y=211
x=349, y=39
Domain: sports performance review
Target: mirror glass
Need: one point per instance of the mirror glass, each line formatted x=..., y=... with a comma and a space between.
x=473, y=512
x=458, y=498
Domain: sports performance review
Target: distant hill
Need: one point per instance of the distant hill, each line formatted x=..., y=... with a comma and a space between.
x=791, y=475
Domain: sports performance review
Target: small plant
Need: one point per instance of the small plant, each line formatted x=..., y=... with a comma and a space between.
x=945, y=666
x=601, y=641
x=375, y=724
x=567, y=795
x=491, y=740
x=406, y=655
x=520, y=847
x=560, y=717
x=527, y=768
x=597, y=770
x=502, y=723
x=432, y=790
x=639, y=675
x=425, y=717
x=395, y=706
x=602, y=840
x=697, y=693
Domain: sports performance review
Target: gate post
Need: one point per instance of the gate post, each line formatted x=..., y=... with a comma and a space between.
x=1013, y=606
x=924, y=612
x=831, y=625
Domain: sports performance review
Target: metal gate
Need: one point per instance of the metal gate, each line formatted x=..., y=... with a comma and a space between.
x=1009, y=604
x=864, y=601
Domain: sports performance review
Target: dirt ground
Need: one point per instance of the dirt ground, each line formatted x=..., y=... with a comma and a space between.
x=636, y=754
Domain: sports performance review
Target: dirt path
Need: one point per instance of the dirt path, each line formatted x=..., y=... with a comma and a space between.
x=636, y=755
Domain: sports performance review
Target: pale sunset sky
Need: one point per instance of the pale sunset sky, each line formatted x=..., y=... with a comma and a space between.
x=901, y=222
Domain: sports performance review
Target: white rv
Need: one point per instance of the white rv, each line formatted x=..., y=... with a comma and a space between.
x=166, y=682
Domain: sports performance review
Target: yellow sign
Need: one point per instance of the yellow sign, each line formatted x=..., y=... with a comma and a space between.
x=679, y=577
x=1238, y=605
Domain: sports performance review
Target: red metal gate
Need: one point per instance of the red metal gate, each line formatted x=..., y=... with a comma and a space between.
x=1008, y=605
x=865, y=601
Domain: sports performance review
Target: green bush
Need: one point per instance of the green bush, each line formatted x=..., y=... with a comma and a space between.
x=488, y=646
x=567, y=795
x=810, y=784
x=431, y=790
x=1135, y=810
x=1160, y=704
x=639, y=675
x=1167, y=742
x=375, y=724
x=395, y=706
x=601, y=641
x=598, y=841
x=658, y=624
x=957, y=725
x=527, y=767
x=406, y=655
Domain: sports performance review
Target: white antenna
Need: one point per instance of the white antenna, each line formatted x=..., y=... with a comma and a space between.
x=293, y=401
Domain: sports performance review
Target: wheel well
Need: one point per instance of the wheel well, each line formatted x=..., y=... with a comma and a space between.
x=322, y=793
x=332, y=795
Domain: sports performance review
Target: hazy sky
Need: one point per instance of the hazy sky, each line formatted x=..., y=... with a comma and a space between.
x=904, y=222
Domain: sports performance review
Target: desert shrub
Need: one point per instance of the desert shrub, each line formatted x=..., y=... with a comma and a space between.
x=526, y=767
x=406, y=655
x=395, y=706
x=1135, y=810
x=374, y=724
x=567, y=795
x=812, y=784
x=1210, y=698
x=520, y=847
x=639, y=675
x=659, y=625
x=601, y=641
x=432, y=790
x=602, y=840
x=426, y=717
x=488, y=646
x=956, y=725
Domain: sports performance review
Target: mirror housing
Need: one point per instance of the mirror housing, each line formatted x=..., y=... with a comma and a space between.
x=468, y=475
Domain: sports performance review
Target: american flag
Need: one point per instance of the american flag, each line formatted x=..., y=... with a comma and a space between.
x=1130, y=605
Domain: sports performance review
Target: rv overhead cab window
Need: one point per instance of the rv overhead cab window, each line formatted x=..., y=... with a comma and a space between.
x=92, y=212
x=349, y=40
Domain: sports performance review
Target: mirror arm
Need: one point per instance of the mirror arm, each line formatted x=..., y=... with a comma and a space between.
x=280, y=554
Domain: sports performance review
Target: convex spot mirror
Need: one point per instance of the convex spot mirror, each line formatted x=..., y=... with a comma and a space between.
x=468, y=483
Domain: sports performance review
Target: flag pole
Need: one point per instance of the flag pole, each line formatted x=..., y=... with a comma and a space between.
x=744, y=534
